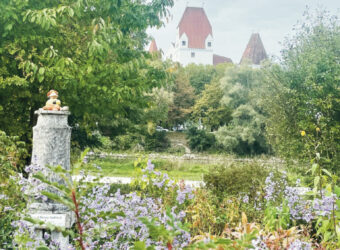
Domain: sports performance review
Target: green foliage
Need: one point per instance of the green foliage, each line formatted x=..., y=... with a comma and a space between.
x=12, y=153
x=184, y=98
x=123, y=188
x=210, y=214
x=237, y=179
x=157, y=141
x=82, y=139
x=145, y=182
x=92, y=52
x=245, y=134
x=199, y=140
x=325, y=187
x=200, y=75
x=277, y=218
x=161, y=100
x=208, y=107
x=159, y=232
x=126, y=141
x=302, y=93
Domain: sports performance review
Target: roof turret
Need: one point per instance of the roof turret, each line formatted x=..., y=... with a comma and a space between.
x=153, y=46
x=195, y=24
x=255, y=52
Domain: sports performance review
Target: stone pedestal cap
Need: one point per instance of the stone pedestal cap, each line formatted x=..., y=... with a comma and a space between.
x=50, y=118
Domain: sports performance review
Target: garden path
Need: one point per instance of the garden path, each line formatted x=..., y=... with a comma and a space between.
x=127, y=180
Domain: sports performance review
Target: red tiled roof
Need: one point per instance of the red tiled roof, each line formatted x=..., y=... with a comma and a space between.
x=196, y=26
x=221, y=59
x=255, y=52
x=153, y=46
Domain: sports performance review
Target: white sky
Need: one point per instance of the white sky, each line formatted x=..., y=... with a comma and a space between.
x=233, y=21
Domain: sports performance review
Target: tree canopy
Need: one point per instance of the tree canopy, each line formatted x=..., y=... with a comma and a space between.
x=91, y=51
x=245, y=134
x=302, y=94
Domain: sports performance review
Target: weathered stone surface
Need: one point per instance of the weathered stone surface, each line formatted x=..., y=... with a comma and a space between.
x=51, y=143
x=59, y=220
x=51, y=139
x=51, y=147
x=62, y=240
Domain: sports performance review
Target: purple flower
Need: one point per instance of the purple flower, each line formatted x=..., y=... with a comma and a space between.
x=150, y=167
x=300, y=245
x=46, y=236
x=245, y=199
x=325, y=206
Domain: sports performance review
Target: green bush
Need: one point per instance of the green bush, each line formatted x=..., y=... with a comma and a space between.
x=126, y=141
x=199, y=140
x=12, y=153
x=237, y=179
x=124, y=188
x=302, y=93
x=176, y=150
x=82, y=138
x=158, y=141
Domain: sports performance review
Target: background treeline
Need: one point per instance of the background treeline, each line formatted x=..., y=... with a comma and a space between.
x=93, y=53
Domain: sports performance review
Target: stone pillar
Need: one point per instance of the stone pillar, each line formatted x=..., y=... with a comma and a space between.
x=51, y=146
x=51, y=139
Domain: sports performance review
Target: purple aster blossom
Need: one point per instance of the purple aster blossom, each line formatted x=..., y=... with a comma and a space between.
x=183, y=193
x=299, y=208
x=128, y=227
x=325, y=206
x=270, y=188
x=259, y=243
x=300, y=245
x=105, y=227
x=46, y=235
x=245, y=199
x=33, y=168
x=150, y=167
x=298, y=181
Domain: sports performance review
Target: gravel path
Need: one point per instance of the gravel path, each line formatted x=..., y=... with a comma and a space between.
x=127, y=180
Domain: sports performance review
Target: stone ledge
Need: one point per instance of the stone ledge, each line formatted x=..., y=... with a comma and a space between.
x=51, y=112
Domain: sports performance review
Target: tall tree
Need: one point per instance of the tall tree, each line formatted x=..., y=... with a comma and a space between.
x=302, y=93
x=184, y=98
x=200, y=75
x=245, y=134
x=91, y=51
x=209, y=109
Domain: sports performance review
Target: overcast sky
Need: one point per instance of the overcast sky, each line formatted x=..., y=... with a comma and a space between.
x=233, y=21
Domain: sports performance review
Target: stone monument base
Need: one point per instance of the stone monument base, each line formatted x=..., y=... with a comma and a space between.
x=55, y=214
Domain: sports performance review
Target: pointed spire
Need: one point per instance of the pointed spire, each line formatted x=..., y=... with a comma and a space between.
x=153, y=46
x=255, y=52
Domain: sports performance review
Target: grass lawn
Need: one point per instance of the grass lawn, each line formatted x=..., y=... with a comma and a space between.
x=125, y=167
x=183, y=169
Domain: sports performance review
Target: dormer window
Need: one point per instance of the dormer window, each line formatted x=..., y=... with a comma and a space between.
x=184, y=43
x=209, y=44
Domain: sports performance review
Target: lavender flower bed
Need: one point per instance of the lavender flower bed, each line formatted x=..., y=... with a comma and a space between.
x=113, y=221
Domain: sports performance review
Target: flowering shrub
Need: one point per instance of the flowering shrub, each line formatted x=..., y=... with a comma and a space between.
x=159, y=185
x=300, y=206
x=163, y=214
x=106, y=220
x=12, y=153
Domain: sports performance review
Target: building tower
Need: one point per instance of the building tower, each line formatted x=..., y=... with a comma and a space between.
x=153, y=46
x=194, y=41
x=254, y=52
